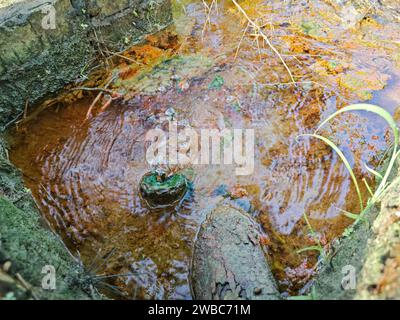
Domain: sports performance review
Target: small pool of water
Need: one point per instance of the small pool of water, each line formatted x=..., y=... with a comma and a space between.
x=84, y=172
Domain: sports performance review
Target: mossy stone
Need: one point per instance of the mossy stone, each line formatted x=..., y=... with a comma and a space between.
x=162, y=191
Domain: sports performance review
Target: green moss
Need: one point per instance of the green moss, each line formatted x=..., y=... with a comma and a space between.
x=161, y=191
x=30, y=247
x=152, y=183
x=312, y=29
x=27, y=242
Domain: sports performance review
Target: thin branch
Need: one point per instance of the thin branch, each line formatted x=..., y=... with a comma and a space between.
x=208, y=9
x=258, y=29
x=89, y=113
x=241, y=40
x=92, y=89
x=117, y=54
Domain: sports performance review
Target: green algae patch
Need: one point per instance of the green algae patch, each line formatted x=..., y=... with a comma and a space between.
x=164, y=75
x=217, y=83
x=364, y=82
x=312, y=29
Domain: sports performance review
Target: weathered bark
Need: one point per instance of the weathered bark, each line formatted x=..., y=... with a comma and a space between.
x=228, y=261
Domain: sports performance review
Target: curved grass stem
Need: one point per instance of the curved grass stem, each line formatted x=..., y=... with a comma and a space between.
x=383, y=185
x=345, y=161
x=389, y=119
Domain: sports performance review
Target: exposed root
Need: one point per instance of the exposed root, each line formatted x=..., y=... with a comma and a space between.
x=98, y=42
x=26, y=286
x=89, y=113
x=92, y=89
x=107, y=104
x=98, y=97
x=26, y=108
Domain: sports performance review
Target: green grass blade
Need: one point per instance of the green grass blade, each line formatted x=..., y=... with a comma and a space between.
x=356, y=217
x=353, y=216
x=383, y=184
x=387, y=151
x=375, y=173
x=392, y=123
x=311, y=248
x=300, y=298
x=368, y=187
x=345, y=161
x=309, y=226
x=313, y=233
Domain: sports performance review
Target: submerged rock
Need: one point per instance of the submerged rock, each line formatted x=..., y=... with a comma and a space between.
x=161, y=190
x=228, y=260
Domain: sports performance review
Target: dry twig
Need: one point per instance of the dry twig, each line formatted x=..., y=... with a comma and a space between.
x=259, y=31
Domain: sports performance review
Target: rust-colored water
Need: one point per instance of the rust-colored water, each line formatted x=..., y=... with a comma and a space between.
x=84, y=174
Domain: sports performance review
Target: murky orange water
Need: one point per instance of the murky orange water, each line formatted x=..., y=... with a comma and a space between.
x=85, y=173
